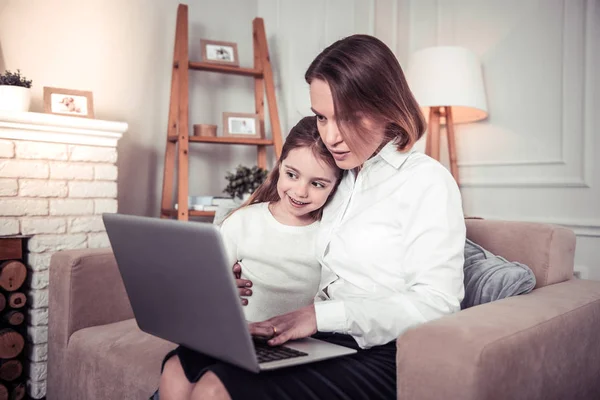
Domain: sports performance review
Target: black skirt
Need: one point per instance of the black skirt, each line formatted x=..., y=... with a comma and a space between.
x=367, y=374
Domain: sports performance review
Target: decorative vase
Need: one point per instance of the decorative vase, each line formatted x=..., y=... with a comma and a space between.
x=14, y=98
x=205, y=130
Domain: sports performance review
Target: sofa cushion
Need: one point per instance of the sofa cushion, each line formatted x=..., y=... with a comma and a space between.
x=489, y=277
x=115, y=361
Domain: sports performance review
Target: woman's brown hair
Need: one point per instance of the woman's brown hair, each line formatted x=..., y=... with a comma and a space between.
x=366, y=79
x=303, y=135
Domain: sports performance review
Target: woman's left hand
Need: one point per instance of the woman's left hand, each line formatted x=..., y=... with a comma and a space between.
x=295, y=325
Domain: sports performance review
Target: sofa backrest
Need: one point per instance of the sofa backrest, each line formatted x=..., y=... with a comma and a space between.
x=548, y=250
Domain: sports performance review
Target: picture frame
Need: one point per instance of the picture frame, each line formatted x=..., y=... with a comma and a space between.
x=217, y=52
x=241, y=125
x=69, y=102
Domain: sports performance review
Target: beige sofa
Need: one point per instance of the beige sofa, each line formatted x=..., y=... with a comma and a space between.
x=543, y=345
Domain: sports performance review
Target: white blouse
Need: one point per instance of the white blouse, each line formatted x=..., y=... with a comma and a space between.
x=391, y=245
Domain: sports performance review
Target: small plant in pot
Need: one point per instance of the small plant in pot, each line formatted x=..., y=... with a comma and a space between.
x=15, y=92
x=244, y=181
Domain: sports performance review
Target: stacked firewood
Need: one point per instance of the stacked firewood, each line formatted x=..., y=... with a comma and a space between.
x=13, y=274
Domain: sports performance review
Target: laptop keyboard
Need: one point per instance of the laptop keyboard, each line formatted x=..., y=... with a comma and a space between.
x=266, y=353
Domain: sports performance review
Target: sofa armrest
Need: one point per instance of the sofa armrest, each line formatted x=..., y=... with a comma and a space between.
x=86, y=290
x=543, y=345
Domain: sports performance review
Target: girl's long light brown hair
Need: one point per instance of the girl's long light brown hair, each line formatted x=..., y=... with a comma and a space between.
x=303, y=135
x=366, y=79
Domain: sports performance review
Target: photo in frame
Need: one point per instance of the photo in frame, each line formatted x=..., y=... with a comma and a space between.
x=215, y=52
x=241, y=125
x=74, y=103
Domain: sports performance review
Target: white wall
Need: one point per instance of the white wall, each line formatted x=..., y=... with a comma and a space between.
x=122, y=51
x=532, y=159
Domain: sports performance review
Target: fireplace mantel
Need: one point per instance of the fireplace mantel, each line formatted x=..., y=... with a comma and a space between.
x=40, y=127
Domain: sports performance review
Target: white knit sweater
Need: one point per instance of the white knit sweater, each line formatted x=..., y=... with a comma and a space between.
x=279, y=259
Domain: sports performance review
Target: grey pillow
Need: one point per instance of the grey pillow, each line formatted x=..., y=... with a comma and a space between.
x=489, y=277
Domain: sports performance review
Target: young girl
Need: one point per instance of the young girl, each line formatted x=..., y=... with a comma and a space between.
x=272, y=236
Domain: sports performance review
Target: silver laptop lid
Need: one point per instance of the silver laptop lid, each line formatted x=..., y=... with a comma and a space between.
x=180, y=286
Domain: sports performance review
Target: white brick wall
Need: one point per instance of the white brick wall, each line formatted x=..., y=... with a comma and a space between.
x=39, y=352
x=56, y=193
x=9, y=187
x=98, y=240
x=86, y=224
x=36, y=389
x=71, y=207
x=7, y=149
x=38, y=371
x=12, y=168
x=38, y=298
x=93, y=189
x=41, y=151
x=105, y=206
x=42, y=243
x=71, y=171
x=9, y=227
x=39, y=261
x=42, y=188
x=32, y=226
x=16, y=207
x=38, y=316
x=38, y=334
x=105, y=172
x=39, y=280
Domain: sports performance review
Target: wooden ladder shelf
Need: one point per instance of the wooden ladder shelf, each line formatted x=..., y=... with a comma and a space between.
x=178, y=136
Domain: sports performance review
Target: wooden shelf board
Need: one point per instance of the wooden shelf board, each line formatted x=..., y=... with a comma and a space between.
x=225, y=69
x=231, y=140
x=191, y=213
x=226, y=140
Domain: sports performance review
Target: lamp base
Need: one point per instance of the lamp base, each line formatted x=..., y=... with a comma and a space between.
x=432, y=143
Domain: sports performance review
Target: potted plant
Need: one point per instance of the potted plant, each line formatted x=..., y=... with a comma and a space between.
x=244, y=181
x=15, y=92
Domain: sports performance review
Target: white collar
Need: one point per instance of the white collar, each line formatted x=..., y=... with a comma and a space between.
x=390, y=154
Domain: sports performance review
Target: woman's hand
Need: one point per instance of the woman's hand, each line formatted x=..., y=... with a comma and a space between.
x=295, y=325
x=243, y=285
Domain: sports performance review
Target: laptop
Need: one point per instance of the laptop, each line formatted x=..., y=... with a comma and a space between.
x=182, y=289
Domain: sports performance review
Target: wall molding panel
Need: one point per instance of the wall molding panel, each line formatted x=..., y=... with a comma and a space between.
x=578, y=160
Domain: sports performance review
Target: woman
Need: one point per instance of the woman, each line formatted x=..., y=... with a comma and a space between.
x=390, y=243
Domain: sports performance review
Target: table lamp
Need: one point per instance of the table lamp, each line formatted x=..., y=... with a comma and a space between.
x=448, y=84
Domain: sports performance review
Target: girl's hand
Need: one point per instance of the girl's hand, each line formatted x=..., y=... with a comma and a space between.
x=295, y=325
x=243, y=285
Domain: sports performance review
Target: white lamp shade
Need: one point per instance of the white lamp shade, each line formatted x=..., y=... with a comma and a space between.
x=448, y=76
